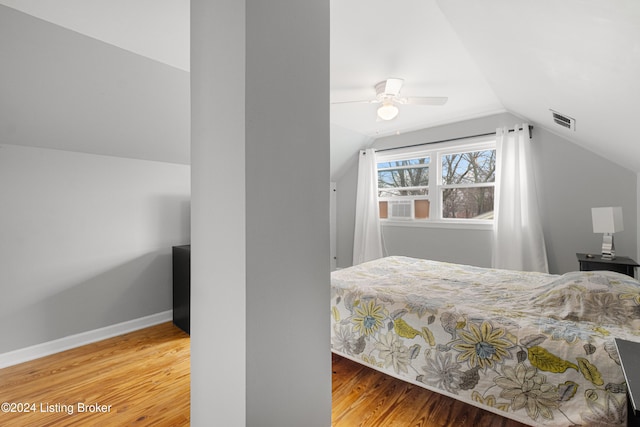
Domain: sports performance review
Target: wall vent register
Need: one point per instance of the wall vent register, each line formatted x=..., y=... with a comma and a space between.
x=563, y=120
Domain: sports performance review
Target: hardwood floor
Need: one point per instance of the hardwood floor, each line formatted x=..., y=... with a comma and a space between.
x=143, y=379
x=365, y=397
x=138, y=379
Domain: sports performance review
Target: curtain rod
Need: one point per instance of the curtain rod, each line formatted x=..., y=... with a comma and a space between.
x=448, y=140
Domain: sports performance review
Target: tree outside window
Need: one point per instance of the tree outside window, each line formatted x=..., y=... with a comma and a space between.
x=465, y=193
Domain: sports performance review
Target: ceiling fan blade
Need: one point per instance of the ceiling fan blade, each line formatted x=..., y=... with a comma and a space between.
x=368, y=101
x=425, y=100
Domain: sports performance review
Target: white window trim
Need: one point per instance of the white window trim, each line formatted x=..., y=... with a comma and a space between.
x=435, y=153
x=455, y=224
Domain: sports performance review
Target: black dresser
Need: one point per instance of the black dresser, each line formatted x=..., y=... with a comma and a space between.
x=182, y=286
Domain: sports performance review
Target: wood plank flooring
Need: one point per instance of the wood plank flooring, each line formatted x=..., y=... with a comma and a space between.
x=144, y=377
x=365, y=397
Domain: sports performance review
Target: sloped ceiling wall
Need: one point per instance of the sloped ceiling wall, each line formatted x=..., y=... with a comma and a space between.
x=372, y=40
x=578, y=57
x=157, y=29
x=64, y=90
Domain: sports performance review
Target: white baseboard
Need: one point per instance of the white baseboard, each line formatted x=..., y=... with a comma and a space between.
x=47, y=348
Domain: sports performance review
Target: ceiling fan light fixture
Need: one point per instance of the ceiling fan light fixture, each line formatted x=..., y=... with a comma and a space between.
x=387, y=111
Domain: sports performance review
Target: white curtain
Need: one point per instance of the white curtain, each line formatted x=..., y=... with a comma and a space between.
x=367, y=239
x=518, y=241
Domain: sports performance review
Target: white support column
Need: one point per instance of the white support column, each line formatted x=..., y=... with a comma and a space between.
x=218, y=247
x=260, y=278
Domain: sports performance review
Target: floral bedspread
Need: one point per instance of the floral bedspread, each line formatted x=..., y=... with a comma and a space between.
x=534, y=347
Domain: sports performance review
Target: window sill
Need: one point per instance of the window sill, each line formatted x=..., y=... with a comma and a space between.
x=451, y=224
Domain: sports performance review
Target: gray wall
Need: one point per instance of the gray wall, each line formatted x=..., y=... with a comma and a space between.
x=472, y=247
x=85, y=241
x=571, y=180
x=260, y=267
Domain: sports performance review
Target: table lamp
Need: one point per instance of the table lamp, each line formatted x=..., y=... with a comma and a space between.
x=607, y=221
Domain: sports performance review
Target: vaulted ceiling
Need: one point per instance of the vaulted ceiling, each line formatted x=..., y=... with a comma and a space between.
x=61, y=89
x=157, y=29
x=578, y=57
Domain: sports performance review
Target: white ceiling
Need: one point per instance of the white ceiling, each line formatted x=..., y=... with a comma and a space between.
x=579, y=57
x=372, y=40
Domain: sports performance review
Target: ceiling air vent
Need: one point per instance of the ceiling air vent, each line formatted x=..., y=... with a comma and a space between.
x=564, y=121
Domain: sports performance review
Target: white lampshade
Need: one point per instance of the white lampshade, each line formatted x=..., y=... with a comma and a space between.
x=387, y=111
x=607, y=220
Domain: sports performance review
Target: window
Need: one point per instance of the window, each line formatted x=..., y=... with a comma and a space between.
x=403, y=188
x=468, y=181
x=450, y=183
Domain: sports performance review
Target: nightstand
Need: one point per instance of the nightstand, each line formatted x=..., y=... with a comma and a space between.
x=621, y=264
x=629, y=353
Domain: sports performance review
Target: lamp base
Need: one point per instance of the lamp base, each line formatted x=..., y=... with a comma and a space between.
x=608, y=247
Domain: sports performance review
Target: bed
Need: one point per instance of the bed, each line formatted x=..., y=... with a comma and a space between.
x=537, y=348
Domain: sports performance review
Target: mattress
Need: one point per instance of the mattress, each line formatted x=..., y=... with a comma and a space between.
x=534, y=347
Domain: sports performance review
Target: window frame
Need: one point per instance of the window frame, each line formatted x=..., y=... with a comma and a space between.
x=436, y=152
x=413, y=197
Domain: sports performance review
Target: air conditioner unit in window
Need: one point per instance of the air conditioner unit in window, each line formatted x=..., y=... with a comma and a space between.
x=401, y=209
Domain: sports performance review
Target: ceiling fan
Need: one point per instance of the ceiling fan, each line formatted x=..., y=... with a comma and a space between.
x=388, y=94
